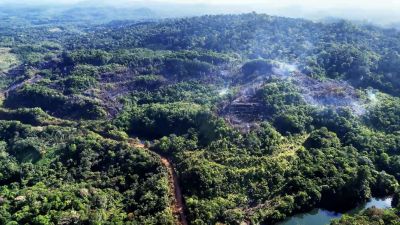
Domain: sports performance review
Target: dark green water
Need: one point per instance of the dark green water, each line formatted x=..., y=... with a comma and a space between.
x=322, y=217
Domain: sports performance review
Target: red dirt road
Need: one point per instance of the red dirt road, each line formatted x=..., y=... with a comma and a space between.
x=178, y=205
x=178, y=208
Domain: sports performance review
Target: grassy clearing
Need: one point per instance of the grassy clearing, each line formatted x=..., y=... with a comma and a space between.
x=290, y=146
x=7, y=60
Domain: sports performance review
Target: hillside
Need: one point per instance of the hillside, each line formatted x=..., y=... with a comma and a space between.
x=228, y=119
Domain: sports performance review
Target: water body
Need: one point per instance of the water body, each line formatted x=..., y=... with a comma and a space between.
x=323, y=217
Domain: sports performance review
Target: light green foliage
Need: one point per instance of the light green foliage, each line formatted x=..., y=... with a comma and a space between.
x=7, y=60
x=66, y=134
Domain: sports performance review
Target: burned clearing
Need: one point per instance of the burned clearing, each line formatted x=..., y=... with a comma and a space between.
x=237, y=119
x=329, y=93
x=246, y=109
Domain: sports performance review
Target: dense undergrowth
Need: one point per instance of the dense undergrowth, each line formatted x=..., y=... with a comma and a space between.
x=64, y=152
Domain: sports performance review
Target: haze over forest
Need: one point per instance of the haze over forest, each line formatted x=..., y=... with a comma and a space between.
x=175, y=112
x=384, y=12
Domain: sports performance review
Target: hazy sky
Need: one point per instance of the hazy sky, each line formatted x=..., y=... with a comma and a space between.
x=381, y=11
x=388, y=4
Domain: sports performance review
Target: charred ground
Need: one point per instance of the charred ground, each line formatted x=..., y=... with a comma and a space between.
x=260, y=117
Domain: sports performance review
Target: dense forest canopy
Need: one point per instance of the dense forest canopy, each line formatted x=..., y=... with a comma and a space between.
x=257, y=117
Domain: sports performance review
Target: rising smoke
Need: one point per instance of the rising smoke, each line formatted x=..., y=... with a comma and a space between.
x=321, y=94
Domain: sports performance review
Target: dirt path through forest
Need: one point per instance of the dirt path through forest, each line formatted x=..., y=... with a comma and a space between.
x=178, y=206
x=174, y=188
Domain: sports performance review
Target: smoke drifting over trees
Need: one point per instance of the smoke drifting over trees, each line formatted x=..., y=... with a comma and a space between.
x=112, y=114
x=377, y=12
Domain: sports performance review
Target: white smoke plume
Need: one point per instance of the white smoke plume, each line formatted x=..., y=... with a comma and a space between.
x=322, y=94
x=284, y=69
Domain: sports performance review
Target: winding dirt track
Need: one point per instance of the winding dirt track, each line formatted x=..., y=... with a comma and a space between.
x=178, y=208
x=178, y=205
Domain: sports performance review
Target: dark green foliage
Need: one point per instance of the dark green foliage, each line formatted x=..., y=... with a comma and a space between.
x=33, y=116
x=385, y=115
x=322, y=139
x=256, y=67
x=183, y=68
x=195, y=92
x=150, y=82
x=293, y=120
x=175, y=118
x=91, y=57
x=87, y=180
x=76, y=84
x=62, y=161
x=372, y=216
x=277, y=95
x=346, y=62
x=35, y=96
x=32, y=96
